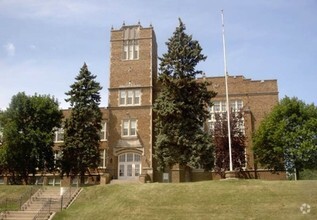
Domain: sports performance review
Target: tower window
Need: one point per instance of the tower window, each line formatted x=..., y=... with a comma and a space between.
x=131, y=43
x=131, y=49
x=130, y=97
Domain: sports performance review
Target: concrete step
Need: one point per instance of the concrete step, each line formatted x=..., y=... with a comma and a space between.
x=117, y=181
x=32, y=207
x=24, y=215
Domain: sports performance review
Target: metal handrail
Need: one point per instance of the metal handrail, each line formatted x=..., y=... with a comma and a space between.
x=45, y=210
x=34, y=192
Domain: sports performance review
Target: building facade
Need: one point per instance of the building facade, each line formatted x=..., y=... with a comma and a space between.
x=133, y=72
x=127, y=135
x=127, y=139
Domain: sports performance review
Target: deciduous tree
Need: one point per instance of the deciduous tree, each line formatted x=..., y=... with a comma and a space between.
x=28, y=128
x=221, y=142
x=287, y=137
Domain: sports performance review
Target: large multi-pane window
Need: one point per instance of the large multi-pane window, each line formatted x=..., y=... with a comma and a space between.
x=129, y=165
x=131, y=49
x=131, y=43
x=129, y=97
x=219, y=108
x=129, y=127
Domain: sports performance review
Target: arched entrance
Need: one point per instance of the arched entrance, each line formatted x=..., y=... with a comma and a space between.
x=129, y=166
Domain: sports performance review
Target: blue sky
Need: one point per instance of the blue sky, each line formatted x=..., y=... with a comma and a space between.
x=43, y=44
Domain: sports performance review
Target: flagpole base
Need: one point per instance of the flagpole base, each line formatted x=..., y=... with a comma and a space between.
x=231, y=175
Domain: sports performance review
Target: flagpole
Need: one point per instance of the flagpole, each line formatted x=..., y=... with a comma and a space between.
x=227, y=95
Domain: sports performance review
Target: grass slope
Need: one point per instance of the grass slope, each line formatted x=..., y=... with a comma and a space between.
x=10, y=196
x=243, y=199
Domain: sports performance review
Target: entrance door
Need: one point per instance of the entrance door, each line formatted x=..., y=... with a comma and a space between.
x=129, y=166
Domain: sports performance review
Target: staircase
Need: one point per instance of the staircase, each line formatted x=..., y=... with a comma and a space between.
x=43, y=204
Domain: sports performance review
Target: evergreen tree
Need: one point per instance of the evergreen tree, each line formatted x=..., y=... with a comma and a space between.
x=220, y=137
x=28, y=129
x=287, y=137
x=181, y=106
x=81, y=141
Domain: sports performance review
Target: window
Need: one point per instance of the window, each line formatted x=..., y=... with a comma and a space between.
x=59, y=135
x=219, y=107
x=130, y=43
x=137, y=169
x=121, y=170
x=57, y=155
x=137, y=157
x=129, y=170
x=129, y=157
x=129, y=165
x=1, y=137
x=103, y=157
x=122, y=158
x=129, y=127
x=236, y=105
x=131, y=49
x=103, y=131
x=129, y=97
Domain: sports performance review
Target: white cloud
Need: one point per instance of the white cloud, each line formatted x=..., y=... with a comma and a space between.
x=10, y=49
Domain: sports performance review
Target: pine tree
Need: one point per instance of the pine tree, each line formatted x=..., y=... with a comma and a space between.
x=181, y=106
x=81, y=141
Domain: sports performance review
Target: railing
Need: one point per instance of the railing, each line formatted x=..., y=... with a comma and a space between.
x=45, y=211
x=66, y=198
x=28, y=197
x=7, y=204
x=18, y=203
x=49, y=204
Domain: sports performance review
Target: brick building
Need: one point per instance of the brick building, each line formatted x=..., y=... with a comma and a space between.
x=126, y=145
x=127, y=137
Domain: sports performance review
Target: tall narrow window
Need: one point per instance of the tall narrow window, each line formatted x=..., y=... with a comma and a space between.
x=59, y=135
x=132, y=127
x=137, y=95
x=130, y=97
x=122, y=97
x=103, y=157
x=125, y=128
x=130, y=43
x=103, y=132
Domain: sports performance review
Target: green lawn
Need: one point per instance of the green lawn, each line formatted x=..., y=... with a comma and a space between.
x=10, y=196
x=242, y=199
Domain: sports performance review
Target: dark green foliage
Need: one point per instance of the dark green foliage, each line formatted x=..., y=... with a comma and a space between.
x=220, y=137
x=81, y=149
x=28, y=128
x=181, y=107
x=287, y=137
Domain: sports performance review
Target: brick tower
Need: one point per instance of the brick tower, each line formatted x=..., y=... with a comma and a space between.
x=133, y=73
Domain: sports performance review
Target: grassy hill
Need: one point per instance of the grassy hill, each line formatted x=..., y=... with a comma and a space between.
x=10, y=196
x=242, y=199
